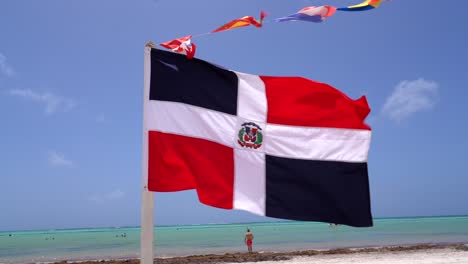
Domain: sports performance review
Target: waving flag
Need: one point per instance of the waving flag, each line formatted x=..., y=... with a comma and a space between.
x=311, y=14
x=366, y=5
x=242, y=22
x=284, y=147
x=181, y=45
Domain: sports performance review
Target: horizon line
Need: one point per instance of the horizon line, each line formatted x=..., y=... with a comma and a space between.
x=217, y=224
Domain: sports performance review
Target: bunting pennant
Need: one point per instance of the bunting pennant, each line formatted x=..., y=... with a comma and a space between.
x=366, y=5
x=310, y=14
x=242, y=22
x=181, y=45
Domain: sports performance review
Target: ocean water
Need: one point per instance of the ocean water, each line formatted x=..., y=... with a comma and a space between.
x=114, y=243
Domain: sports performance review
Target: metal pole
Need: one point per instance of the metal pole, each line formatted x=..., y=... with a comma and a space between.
x=147, y=199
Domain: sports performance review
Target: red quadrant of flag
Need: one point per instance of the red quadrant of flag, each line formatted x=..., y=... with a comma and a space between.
x=298, y=101
x=182, y=158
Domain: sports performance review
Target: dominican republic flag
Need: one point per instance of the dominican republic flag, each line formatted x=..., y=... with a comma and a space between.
x=283, y=147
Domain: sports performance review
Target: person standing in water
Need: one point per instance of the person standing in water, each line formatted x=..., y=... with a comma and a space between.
x=249, y=240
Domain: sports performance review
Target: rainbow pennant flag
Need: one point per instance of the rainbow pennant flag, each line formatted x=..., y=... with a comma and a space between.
x=366, y=5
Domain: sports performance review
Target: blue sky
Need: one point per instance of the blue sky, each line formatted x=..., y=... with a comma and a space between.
x=71, y=84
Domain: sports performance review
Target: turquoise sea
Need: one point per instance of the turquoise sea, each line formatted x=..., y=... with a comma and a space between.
x=114, y=243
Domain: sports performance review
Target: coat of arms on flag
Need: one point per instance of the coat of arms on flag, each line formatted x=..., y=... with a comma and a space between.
x=250, y=135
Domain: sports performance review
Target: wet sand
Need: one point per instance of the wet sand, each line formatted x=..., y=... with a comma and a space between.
x=418, y=254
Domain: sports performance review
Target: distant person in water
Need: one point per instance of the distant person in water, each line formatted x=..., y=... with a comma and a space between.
x=249, y=240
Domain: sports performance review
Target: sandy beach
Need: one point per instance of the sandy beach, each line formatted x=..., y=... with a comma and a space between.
x=435, y=256
x=415, y=254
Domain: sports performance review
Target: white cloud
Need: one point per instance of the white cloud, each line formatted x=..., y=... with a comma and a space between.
x=4, y=67
x=58, y=160
x=106, y=197
x=52, y=102
x=410, y=97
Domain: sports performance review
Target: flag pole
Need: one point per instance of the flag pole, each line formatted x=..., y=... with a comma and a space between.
x=147, y=199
